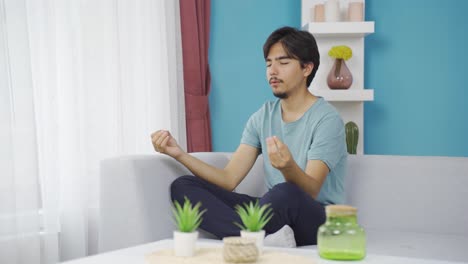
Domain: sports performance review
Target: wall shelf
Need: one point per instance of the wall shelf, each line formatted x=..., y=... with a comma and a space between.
x=349, y=103
x=340, y=29
x=345, y=95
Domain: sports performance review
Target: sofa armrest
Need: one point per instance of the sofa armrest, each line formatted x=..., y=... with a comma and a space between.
x=135, y=199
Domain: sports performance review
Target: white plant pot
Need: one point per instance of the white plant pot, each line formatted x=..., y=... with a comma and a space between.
x=184, y=243
x=259, y=236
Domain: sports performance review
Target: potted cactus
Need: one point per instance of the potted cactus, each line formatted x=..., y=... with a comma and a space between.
x=187, y=218
x=352, y=137
x=254, y=217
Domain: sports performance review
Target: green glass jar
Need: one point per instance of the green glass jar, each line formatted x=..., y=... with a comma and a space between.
x=340, y=237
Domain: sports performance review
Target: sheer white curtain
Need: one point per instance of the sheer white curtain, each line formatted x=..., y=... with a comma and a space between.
x=23, y=236
x=81, y=81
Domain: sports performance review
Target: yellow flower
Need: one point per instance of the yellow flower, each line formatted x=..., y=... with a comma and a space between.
x=340, y=52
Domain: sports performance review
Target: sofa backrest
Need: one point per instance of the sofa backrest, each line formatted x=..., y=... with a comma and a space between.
x=398, y=193
x=254, y=183
x=409, y=193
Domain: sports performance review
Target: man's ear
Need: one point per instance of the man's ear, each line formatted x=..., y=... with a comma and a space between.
x=307, y=69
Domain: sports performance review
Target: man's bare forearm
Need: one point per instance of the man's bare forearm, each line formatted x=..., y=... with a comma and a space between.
x=296, y=175
x=205, y=171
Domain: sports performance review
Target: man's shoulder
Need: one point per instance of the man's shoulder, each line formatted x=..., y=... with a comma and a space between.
x=326, y=109
x=266, y=108
x=270, y=104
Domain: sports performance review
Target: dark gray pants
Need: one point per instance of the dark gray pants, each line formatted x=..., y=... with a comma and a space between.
x=291, y=206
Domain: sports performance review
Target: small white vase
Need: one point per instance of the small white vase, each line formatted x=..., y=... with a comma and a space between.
x=259, y=237
x=184, y=243
x=332, y=11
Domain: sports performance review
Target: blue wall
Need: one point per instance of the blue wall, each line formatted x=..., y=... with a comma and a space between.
x=239, y=87
x=414, y=62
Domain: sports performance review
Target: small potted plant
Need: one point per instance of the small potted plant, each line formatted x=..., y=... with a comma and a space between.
x=340, y=77
x=254, y=217
x=188, y=219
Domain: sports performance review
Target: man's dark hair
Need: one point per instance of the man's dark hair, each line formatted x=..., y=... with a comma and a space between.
x=300, y=45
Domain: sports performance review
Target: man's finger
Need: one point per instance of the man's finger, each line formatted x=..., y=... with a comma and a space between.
x=156, y=133
x=271, y=146
x=274, y=158
x=160, y=138
x=164, y=142
x=272, y=151
x=277, y=141
x=279, y=144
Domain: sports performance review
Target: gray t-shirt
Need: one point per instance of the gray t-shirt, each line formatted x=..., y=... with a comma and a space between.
x=318, y=135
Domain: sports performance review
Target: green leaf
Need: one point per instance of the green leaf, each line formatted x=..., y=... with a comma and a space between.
x=240, y=226
x=253, y=216
x=187, y=217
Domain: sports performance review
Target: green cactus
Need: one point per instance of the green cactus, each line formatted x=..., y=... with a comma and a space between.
x=352, y=137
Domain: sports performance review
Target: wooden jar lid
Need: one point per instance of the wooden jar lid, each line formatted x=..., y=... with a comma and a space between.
x=239, y=249
x=340, y=210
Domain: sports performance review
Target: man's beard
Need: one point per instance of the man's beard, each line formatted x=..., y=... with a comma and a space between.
x=281, y=95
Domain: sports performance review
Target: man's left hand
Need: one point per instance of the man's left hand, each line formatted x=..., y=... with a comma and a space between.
x=279, y=154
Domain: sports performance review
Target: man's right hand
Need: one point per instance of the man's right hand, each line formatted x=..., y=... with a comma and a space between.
x=163, y=142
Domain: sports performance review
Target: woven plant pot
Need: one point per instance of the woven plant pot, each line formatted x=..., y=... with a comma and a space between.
x=239, y=250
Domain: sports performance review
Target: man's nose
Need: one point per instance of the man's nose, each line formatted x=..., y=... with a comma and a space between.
x=273, y=70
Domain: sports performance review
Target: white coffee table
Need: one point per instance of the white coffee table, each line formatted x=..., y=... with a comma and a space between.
x=136, y=255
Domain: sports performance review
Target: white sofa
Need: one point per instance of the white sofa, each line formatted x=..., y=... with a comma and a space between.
x=409, y=206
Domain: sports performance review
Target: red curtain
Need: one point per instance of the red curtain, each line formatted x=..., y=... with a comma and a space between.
x=195, y=27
